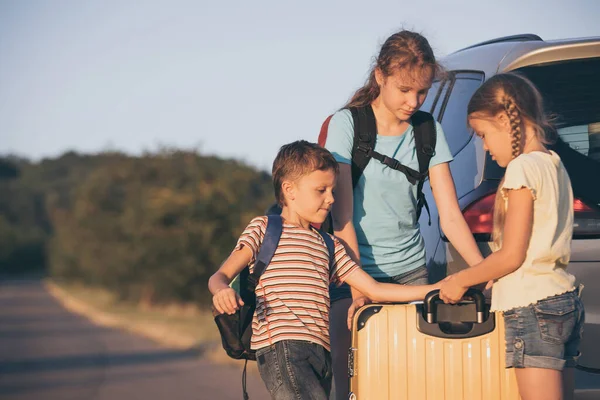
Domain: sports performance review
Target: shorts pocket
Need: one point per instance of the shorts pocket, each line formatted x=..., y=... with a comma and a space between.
x=556, y=318
x=269, y=369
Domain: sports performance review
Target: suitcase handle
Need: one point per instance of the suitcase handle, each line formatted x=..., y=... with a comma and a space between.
x=433, y=298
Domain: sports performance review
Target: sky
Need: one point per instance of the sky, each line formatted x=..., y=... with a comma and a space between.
x=233, y=78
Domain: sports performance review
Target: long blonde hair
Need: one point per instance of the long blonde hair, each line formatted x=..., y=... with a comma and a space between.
x=522, y=102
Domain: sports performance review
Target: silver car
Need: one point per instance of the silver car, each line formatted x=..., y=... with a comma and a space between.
x=567, y=72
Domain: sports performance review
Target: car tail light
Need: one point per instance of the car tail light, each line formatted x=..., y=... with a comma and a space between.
x=587, y=220
x=480, y=215
x=480, y=218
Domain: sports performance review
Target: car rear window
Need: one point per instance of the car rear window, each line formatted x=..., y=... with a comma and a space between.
x=583, y=138
x=571, y=91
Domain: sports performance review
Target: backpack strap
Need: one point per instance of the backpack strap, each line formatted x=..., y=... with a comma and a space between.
x=249, y=281
x=365, y=134
x=265, y=254
x=425, y=141
x=330, y=249
x=425, y=138
x=363, y=145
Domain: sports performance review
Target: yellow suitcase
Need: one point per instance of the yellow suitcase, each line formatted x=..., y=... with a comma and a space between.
x=397, y=354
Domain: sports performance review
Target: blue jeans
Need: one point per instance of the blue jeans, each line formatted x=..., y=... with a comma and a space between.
x=545, y=334
x=295, y=370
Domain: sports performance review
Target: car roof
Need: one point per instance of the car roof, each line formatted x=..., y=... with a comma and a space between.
x=513, y=52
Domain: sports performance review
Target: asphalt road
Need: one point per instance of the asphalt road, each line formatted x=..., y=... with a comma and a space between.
x=48, y=353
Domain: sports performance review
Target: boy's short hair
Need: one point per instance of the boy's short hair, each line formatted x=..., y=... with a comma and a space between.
x=297, y=159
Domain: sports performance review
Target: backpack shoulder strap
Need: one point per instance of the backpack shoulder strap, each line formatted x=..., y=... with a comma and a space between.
x=265, y=254
x=365, y=134
x=425, y=141
x=267, y=249
x=425, y=138
x=330, y=249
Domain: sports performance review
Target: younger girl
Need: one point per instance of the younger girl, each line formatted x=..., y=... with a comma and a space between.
x=533, y=225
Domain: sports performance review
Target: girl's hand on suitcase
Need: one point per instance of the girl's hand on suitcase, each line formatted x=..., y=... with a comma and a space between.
x=227, y=301
x=451, y=291
x=356, y=304
x=487, y=292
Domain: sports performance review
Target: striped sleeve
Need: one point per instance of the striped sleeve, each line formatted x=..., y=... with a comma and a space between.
x=252, y=236
x=343, y=265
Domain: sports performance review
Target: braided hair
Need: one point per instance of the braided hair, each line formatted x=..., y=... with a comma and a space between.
x=517, y=96
x=514, y=117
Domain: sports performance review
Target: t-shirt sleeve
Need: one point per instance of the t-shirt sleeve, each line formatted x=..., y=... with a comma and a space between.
x=252, y=236
x=442, y=151
x=340, y=136
x=343, y=265
x=520, y=174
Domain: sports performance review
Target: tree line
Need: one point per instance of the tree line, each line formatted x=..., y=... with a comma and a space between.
x=151, y=228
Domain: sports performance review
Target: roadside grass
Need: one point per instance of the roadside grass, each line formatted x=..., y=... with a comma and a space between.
x=177, y=325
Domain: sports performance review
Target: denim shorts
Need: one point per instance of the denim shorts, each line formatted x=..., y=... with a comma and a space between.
x=295, y=370
x=545, y=334
x=417, y=276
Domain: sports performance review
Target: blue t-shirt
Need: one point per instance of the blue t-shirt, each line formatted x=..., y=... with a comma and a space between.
x=385, y=202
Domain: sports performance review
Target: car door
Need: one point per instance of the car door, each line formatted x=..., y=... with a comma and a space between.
x=450, y=108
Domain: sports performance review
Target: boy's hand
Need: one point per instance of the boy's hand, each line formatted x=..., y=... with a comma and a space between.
x=451, y=291
x=356, y=304
x=227, y=301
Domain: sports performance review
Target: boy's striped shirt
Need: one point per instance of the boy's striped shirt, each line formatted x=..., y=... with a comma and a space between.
x=292, y=296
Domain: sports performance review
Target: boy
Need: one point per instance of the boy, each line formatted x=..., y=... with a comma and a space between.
x=290, y=328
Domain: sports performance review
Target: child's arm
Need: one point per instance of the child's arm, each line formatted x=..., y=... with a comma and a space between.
x=341, y=214
x=383, y=292
x=516, y=235
x=386, y=292
x=225, y=299
x=348, y=271
x=452, y=220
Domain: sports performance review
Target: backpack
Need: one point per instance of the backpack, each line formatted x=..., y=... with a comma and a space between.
x=236, y=329
x=365, y=135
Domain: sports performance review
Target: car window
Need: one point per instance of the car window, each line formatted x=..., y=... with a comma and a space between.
x=594, y=132
x=453, y=115
x=441, y=99
x=431, y=97
x=571, y=93
x=583, y=138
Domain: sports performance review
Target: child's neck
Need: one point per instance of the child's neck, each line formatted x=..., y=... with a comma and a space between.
x=387, y=123
x=291, y=217
x=532, y=143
